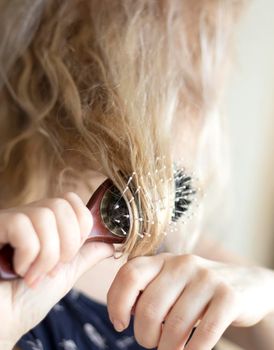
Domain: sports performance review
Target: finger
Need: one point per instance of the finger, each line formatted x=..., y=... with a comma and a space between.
x=67, y=226
x=43, y=220
x=21, y=235
x=89, y=255
x=153, y=306
x=55, y=270
x=219, y=315
x=59, y=285
x=82, y=213
x=130, y=280
x=185, y=313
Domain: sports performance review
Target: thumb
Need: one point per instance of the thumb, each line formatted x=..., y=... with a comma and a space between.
x=90, y=254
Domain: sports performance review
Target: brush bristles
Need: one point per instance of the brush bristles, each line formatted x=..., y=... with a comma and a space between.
x=150, y=203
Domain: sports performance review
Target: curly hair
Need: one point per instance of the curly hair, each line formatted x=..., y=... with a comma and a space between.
x=97, y=84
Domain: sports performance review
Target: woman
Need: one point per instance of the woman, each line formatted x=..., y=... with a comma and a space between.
x=115, y=88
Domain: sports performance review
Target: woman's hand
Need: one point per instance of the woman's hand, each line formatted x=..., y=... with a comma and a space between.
x=48, y=238
x=171, y=295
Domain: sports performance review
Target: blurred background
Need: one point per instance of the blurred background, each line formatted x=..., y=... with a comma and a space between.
x=250, y=112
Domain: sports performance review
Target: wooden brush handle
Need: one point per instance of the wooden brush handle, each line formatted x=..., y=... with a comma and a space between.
x=6, y=263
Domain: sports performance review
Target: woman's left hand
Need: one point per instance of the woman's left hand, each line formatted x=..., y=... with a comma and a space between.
x=171, y=294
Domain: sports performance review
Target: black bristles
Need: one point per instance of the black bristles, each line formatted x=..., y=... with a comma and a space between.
x=115, y=206
x=183, y=194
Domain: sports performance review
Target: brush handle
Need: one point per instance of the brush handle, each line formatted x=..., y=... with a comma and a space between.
x=99, y=233
x=6, y=263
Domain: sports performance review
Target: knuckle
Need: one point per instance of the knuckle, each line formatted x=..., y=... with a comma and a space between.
x=21, y=233
x=148, y=310
x=129, y=274
x=188, y=259
x=44, y=215
x=227, y=293
x=209, y=329
x=182, y=265
x=207, y=276
x=175, y=324
x=19, y=220
x=61, y=205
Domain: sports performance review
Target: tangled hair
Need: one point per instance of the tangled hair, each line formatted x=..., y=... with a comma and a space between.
x=98, y=84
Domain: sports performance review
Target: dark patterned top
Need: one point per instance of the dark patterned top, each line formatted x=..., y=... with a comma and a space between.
x=78, y=323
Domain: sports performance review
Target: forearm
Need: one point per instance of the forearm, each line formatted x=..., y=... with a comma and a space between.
x=260, y=336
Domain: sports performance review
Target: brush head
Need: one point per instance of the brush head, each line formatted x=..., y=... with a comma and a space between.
x=111, y=214
x=113, y=218
x=115, y=212
x=112, y=208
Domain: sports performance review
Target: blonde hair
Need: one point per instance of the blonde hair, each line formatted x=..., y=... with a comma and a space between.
x=88, y=84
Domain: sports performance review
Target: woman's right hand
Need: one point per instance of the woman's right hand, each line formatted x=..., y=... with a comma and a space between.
x=48, y=237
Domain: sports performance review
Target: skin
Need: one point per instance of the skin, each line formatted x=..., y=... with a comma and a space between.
x=42, y=262
x=181, y=290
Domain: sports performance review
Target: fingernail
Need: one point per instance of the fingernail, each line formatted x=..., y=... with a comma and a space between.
x=118, y=325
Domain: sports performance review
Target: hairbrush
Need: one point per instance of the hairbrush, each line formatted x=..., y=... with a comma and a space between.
x=112, y=215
